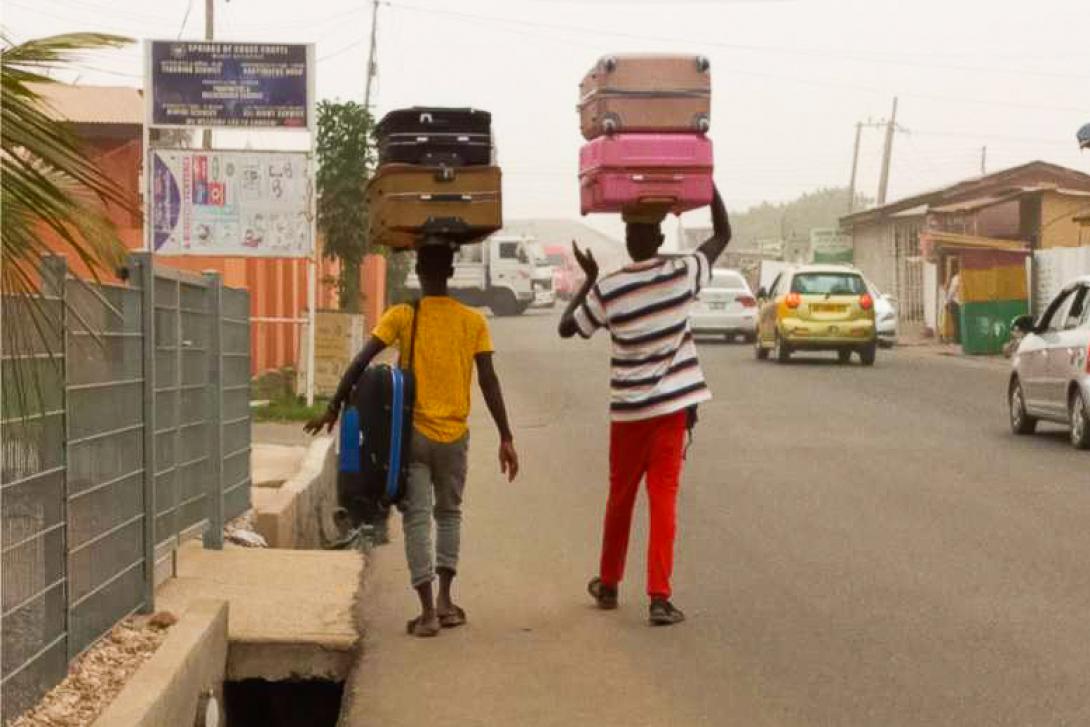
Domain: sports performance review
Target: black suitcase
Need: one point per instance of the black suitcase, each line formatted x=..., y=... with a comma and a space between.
x=435, y=137
x=383, y=400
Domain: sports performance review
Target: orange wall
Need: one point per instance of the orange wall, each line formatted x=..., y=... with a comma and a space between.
x=278, y=287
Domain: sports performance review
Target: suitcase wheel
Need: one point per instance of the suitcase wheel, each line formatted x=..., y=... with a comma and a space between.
x=610, y=125
x=703, y=64
x=702, y=123
x=609, y=63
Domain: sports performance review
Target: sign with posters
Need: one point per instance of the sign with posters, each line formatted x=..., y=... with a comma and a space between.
x=830, y=245
x=338, y=338
x=234, y=203
x=246, y=85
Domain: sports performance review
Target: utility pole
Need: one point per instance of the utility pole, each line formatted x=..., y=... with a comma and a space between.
x=855, y=167
x=370, y=55
x=983, y=160
x=883, y=184
x=209, y=34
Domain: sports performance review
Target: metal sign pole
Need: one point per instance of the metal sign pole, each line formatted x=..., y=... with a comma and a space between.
x=312, y=260
x=148, y=186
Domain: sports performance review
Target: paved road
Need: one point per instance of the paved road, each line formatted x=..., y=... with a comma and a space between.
x=857, y=547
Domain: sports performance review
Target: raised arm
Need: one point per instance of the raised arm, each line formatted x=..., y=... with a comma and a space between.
x=363, y=359
x=713, y=247
x=568, y=326
x=493, y=397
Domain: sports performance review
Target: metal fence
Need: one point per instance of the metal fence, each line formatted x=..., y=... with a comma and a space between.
x=126, y=430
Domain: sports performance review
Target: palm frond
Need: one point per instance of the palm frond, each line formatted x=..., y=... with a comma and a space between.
x=49, y=186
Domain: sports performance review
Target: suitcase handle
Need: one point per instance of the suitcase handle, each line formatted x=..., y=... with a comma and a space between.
x=446, y=197
x=446, y=226
x=653, y=178
x=655, y=201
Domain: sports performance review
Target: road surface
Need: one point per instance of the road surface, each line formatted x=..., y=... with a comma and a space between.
x=856, y=547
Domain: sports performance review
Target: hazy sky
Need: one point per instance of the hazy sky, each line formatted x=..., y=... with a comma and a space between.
x=790, y=77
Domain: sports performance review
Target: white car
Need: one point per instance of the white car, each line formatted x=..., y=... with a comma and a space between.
x=1050, y=371
x=726, y=307
x=885, y=316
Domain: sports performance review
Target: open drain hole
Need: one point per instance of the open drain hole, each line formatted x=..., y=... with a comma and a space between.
x=260, y=703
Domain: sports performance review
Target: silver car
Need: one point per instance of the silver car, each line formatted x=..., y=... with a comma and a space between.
x=726, y=307
x=1050, y=376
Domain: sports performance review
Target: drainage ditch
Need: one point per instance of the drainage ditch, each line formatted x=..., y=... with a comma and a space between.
x=260, y=703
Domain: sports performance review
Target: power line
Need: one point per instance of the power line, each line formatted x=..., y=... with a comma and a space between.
x=185, y=19
x=504, y=23
x=598, y=32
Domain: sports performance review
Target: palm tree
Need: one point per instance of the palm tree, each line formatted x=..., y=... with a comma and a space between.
x=48, y=185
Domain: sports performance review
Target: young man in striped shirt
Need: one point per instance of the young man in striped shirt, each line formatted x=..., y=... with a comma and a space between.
x=656, y=384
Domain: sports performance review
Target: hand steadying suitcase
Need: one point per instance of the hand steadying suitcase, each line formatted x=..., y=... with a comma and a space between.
x=406, y=202
x=435, y=136
x=646, y=93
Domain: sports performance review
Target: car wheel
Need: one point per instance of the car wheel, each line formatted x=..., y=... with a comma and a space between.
x=1080, y=422
x=868, y=354
x=1021, y=421
x=844, y=356
x=780, y=351
x=750, y=337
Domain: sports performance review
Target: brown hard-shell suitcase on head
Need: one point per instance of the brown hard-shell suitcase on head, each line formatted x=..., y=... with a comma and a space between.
x=406, y=202
x=646, y=93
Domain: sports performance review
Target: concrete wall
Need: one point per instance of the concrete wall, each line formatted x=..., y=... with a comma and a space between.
x=191, y=662
x=298, y=514
x=874, y=255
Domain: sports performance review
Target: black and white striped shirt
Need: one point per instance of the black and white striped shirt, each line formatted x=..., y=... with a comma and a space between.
x=645, y=307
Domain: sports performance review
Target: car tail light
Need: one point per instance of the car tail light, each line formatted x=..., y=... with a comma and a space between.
x=866, y=302
x=747, y=301
x=794, y=300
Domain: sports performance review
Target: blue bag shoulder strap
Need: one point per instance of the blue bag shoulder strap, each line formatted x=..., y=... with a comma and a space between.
x=393, y=474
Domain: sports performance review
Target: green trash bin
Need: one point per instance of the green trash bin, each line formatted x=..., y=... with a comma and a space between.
x=986, y=326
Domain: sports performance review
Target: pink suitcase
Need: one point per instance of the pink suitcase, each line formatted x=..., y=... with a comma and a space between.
x=630, y=172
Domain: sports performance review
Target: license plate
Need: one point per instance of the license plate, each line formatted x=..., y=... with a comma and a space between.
x=717, y=306
x=827, y=308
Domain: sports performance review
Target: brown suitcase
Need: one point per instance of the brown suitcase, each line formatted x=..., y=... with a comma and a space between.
x=406, y=202
x=646, y=93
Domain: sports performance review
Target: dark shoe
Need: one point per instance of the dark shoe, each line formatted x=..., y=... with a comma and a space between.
x=663, y=613
x=606, y=596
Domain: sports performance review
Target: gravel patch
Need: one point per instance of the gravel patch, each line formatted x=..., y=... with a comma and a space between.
x=96, y=677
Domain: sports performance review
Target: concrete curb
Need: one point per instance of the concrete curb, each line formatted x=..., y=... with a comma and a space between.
x=167, y=689
x=298, y=513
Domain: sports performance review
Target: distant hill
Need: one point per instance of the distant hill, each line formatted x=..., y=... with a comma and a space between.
x=785, y=220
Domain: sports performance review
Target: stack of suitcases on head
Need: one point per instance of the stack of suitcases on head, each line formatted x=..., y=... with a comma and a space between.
x=436, y=177
x=644, y=118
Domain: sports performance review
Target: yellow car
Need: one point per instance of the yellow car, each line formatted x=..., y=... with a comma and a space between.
x=817, y=308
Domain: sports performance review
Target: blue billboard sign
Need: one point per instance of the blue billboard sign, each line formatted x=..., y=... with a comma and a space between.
x=242, y=85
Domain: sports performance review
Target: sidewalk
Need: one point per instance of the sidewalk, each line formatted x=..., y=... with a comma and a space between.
x=934, y=347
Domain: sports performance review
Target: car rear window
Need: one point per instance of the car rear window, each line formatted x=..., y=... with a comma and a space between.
x=730, y=281
x=828, y=284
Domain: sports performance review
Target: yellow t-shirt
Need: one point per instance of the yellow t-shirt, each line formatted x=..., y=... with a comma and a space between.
x=448, y=336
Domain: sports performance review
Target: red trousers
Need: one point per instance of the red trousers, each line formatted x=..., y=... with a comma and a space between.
x=651, y=448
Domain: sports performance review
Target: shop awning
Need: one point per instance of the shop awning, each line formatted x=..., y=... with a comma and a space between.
x=934, y=243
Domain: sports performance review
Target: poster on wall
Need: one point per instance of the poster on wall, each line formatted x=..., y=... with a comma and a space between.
x=240, y=85
x=232, y=203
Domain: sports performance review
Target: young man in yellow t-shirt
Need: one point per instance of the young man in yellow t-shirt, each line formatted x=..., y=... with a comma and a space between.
x=450, y=339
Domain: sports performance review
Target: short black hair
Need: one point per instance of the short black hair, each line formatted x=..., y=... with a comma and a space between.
x=435, y=258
